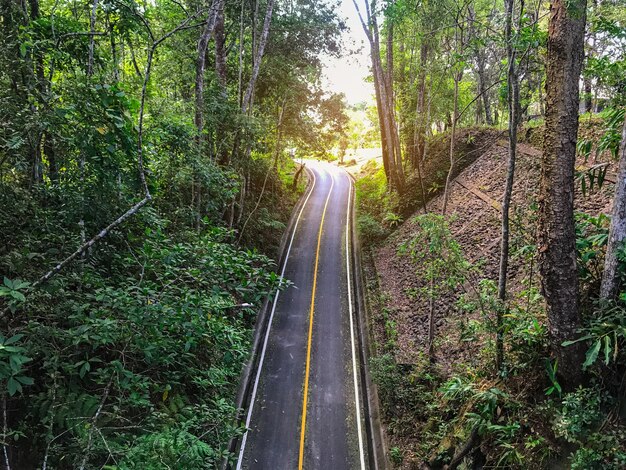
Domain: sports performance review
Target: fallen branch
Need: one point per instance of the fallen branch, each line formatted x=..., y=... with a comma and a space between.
x=103, y=233
x=466, y=449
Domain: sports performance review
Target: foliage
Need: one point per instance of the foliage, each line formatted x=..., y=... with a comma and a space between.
x=605, y=333
x=193, y=300
x=370, y=229
x=437, y=254
x=592, y=234
x=579, y=412
x=371, y=192
x=130, y=356
x=523, y=325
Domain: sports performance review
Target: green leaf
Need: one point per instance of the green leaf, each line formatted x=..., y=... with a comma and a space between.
x=569, y=343
x=13, y=339
x=592, y=354
x=20, y=284
x=25, y=380
x=18, y=296
x=8, y=283
x=86, y=367
x=607, y=349
x=13, y=386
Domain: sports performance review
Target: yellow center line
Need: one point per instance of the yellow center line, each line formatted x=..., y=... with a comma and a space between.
x=308, y=348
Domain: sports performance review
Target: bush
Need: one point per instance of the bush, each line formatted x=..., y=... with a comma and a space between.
x=579, y=413
x=370, y=229
x=153, y=345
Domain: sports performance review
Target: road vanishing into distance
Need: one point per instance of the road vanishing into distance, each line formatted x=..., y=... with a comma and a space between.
x=306, y=407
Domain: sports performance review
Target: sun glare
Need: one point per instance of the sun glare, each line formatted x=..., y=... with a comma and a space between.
x=348, y=74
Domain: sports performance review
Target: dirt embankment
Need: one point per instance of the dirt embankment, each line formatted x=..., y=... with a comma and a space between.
x=474, y=220
x=470, y=144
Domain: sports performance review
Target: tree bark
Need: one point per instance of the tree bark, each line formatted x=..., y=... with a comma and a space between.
x=482, y=87
x=514, y=118
x=220, y=49
x=556, y=237
x=392, y=158
x=203, y=43
x=258, y=56
x=617, y=232
x=258, y=49
x=421, y=105
x=483, y=90
x=92, y=37
x=455, y=116
x=221, y=73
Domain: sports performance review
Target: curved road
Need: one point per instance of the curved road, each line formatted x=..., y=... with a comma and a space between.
x=306, y=407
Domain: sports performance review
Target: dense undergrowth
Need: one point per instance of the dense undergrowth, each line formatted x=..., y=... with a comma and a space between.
x=131, y=358
x=515, y=416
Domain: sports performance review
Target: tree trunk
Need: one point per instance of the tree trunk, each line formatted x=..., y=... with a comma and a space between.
x=221, y=73
x=389, y=132
x=220, y=49
x=203, y=43
x=391, y=108
x=482, y=87
x=49, y=152
x=421, y=105
x=514, y=118
x=383, y=130
x=419, y=148
x=483, y=104
x=258, y=56
x=588, y=94
x=556, y=237
x=617, y=233
x=455, y=116
x=114, y=59
x=92, y=37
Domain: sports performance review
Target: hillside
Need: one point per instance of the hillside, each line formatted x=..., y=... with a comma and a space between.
x=424, y=419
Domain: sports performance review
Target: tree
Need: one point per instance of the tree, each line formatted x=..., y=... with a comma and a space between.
x=514, y=118
x=617, y=232
x=392, y=158
x=556, y=236
x=441, y=263
x=457, y=68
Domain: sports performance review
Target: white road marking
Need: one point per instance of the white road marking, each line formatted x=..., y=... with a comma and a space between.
x=267, y=334
x=356, y=382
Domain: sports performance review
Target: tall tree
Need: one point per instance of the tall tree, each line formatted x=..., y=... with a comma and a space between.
x=514, y=118
x=201, y=51
x=556, y=237
x=392, y=159
x=617, y=231
x=457, y=66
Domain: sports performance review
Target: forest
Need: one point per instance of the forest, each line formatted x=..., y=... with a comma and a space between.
x=493, y=232
x=145, y=181
x=150, y=161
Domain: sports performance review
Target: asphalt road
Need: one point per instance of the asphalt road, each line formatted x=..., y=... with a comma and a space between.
x=306, y=409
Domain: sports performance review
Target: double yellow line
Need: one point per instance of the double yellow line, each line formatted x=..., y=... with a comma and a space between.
x=310, y=337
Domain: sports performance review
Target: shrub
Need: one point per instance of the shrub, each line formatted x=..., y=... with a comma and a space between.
x=370, y=229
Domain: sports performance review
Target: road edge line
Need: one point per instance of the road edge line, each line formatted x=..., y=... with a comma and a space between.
x=351, y=312
x=377, y=448
x=263, y=322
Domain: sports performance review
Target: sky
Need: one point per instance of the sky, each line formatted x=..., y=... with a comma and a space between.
x=347, y=74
